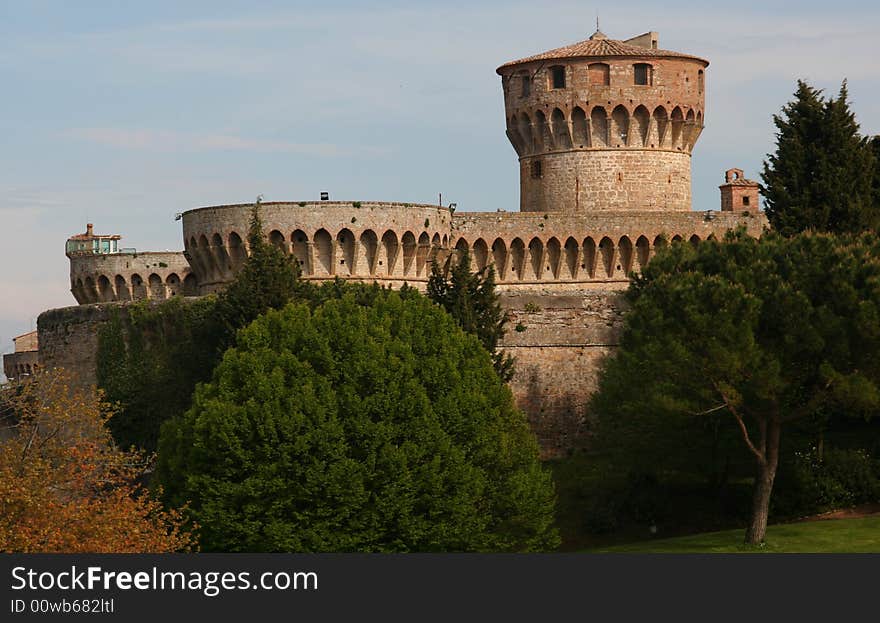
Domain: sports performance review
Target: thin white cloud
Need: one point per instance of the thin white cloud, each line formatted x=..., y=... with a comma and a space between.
x=28, y=201
x=277, y=21
x=167, y=140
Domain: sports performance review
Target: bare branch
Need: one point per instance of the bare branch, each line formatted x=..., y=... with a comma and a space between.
x=723, y=405
x=745, y=435
x=27, y=446
x=46, y=438
x=742, y=426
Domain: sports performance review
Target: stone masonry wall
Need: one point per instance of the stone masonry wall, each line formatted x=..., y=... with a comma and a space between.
x=743, y=198
x=69, y=340
x=612, y=180
x=558, y=343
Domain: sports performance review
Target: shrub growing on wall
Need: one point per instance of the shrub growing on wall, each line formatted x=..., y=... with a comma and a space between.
x=151, y=357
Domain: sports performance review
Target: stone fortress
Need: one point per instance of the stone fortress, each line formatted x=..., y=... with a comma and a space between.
x=603, y=130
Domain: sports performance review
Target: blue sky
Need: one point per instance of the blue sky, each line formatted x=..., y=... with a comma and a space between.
x=125, y=113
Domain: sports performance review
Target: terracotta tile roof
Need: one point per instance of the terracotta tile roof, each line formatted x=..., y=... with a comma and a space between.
x=740, y=182
x=600, y=48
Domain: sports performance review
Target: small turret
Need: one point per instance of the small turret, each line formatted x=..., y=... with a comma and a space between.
x=739, y=194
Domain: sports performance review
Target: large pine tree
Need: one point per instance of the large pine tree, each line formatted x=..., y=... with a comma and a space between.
x=750, y=335
x=822, y=173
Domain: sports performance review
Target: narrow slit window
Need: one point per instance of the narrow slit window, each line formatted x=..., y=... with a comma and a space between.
x=557, y=77
x=526, y=86
x=642, y=74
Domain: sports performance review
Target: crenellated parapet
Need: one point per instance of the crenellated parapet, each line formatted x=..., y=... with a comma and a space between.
x=567, y=251
x=391, y=243
x=618, y=123
x=396, y=243
x=131, y=276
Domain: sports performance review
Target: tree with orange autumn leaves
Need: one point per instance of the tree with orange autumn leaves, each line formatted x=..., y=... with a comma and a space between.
x=65, y=486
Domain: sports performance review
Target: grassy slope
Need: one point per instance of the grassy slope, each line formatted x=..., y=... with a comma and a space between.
x=831, y=536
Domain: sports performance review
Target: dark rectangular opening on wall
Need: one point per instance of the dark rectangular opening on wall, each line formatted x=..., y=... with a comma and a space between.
x=642, y=74
x=558, y=77
x=745, y=201
x=526, y=86
x=536, y=169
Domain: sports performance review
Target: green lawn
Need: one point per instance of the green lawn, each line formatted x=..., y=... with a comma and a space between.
x=829, y=536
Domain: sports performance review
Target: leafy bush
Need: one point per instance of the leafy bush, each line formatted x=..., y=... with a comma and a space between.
x=841, y=478
x=358, y=427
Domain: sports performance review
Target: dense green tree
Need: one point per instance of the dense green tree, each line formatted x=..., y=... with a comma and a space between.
x=471, y=299
x=820, y=177
x=378, y=427
x=766, y=332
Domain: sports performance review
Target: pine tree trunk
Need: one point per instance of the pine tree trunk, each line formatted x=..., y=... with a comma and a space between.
x=764, y=486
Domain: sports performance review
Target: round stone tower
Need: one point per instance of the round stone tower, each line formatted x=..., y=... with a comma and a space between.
x=605, y=125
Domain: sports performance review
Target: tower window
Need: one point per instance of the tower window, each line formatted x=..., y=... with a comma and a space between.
x=536, y=169
x=557, y=77
x=600, y=74
x=643, y=74
x=526, y=86
x=745, y=201
x=700, y=79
